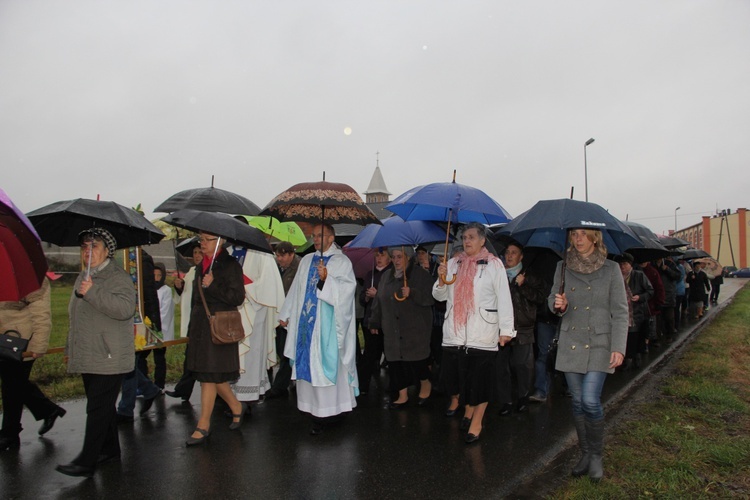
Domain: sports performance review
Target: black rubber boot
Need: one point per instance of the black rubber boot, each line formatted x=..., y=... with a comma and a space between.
x=595, y=436
x=582, y=467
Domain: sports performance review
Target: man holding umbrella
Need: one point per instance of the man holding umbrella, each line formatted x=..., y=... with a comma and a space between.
x=319, y=316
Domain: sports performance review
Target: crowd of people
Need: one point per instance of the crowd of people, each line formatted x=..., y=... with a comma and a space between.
x=477, y=328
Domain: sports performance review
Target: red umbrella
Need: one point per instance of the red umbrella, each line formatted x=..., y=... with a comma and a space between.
x=23, y=265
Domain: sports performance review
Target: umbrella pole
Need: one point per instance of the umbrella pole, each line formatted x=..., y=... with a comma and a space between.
x=445, y=255
x=216, y=250
x=563, y=268
x=395, y=294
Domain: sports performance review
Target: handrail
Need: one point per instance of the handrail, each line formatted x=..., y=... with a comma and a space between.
x=57, y=350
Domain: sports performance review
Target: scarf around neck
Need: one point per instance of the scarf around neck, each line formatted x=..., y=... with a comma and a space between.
x=585, y=265
x=513, y=271
x=463, y=300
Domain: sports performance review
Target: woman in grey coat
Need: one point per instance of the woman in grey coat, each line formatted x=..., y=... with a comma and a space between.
x=406, y=323
x=100, y=346
x=593, y=335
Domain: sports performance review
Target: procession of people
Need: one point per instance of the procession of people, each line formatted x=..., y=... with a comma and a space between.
x=265, y=323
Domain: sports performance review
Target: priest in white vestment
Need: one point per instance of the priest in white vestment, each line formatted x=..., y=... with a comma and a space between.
x=264, y=295
x=321, y=342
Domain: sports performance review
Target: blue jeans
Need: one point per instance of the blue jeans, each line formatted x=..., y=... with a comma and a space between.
x=586, y=390
x=133, y=381
x=545, y=332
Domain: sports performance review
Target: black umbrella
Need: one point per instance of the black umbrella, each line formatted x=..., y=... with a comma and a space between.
x=694, y=253
x=651, y=248
x=671, y=242
x=209, y=199
x=223, y=225
x=61, y=222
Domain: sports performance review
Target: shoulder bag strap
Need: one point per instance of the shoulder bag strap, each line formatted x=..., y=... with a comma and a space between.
x=203, y=299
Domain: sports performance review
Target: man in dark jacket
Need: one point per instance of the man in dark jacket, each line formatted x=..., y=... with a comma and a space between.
x=288, y=262
x=642, y=291
x=699, y=287
x=670, y=276
x=527, y=293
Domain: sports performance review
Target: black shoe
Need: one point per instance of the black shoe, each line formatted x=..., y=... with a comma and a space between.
x=124, y=419
x=175, y=394
x=451, y=413
x=147, y=404
x=274, y=394
x=49, y=422
x=191, y=441
x=506, y=410
x=471, y=438
x=397, y=406
x=465, y=423
x=315, y=429
x=523, y=405
x=106, y=459
x=423, y=401
x=75, y=470
x=244, y=409
x=10, y=443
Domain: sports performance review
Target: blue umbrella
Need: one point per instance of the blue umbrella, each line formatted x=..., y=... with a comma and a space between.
x=546, y=225
x=396, y=231
x=448, y=202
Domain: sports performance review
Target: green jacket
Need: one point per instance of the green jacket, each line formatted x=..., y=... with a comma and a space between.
x=100, y=339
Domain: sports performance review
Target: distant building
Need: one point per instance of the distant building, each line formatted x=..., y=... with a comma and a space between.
x=725, y=236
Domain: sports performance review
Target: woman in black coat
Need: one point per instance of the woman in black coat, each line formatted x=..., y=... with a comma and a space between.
x=406, y=325
x=220, y=279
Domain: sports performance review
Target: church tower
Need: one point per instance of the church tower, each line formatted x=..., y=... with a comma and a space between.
x=377, y=192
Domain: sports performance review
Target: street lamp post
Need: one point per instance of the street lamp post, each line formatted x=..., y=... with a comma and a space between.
x=586, y=167
x=675, y=218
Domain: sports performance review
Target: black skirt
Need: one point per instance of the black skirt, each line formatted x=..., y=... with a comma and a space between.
x=403, y=374
x=470, y=373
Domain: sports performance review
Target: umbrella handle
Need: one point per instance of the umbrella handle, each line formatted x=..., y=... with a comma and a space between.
x=395, y=294
x=445, y=254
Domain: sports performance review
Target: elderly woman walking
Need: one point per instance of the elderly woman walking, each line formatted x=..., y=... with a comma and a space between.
x=479, y=316
x=402, y=309
x=100, y=346
x=219, y=280
x=593, y=333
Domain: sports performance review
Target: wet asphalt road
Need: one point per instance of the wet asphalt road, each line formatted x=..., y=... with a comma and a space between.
x=373, y=453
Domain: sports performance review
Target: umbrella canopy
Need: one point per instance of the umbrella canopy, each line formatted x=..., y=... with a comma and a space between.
x=313, y=202
x=448, y=201
x=546, y=225
x=713, y=268
x=209, y=199
x=363, y=259
x=61, y=222
x=222, y=225
x=651, y=247
x=671, y=242
x=23, y=265
x=694, y=253
x=282, y=231
x=395, y=231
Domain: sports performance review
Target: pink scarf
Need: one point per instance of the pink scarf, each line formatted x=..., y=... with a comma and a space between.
x=463, y=299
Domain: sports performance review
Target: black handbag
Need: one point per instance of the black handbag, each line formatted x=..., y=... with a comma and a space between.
x=552, y=351
x=12, y=348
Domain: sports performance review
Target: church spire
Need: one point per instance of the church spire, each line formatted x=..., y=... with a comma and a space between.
x=377, y=192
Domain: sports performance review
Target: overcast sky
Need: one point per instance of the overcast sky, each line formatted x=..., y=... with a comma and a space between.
x=136, y=100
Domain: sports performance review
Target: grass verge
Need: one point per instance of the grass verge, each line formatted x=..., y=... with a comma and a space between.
x=690, y=438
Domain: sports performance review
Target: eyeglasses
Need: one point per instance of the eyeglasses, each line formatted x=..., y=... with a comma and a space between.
x=204, y=240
